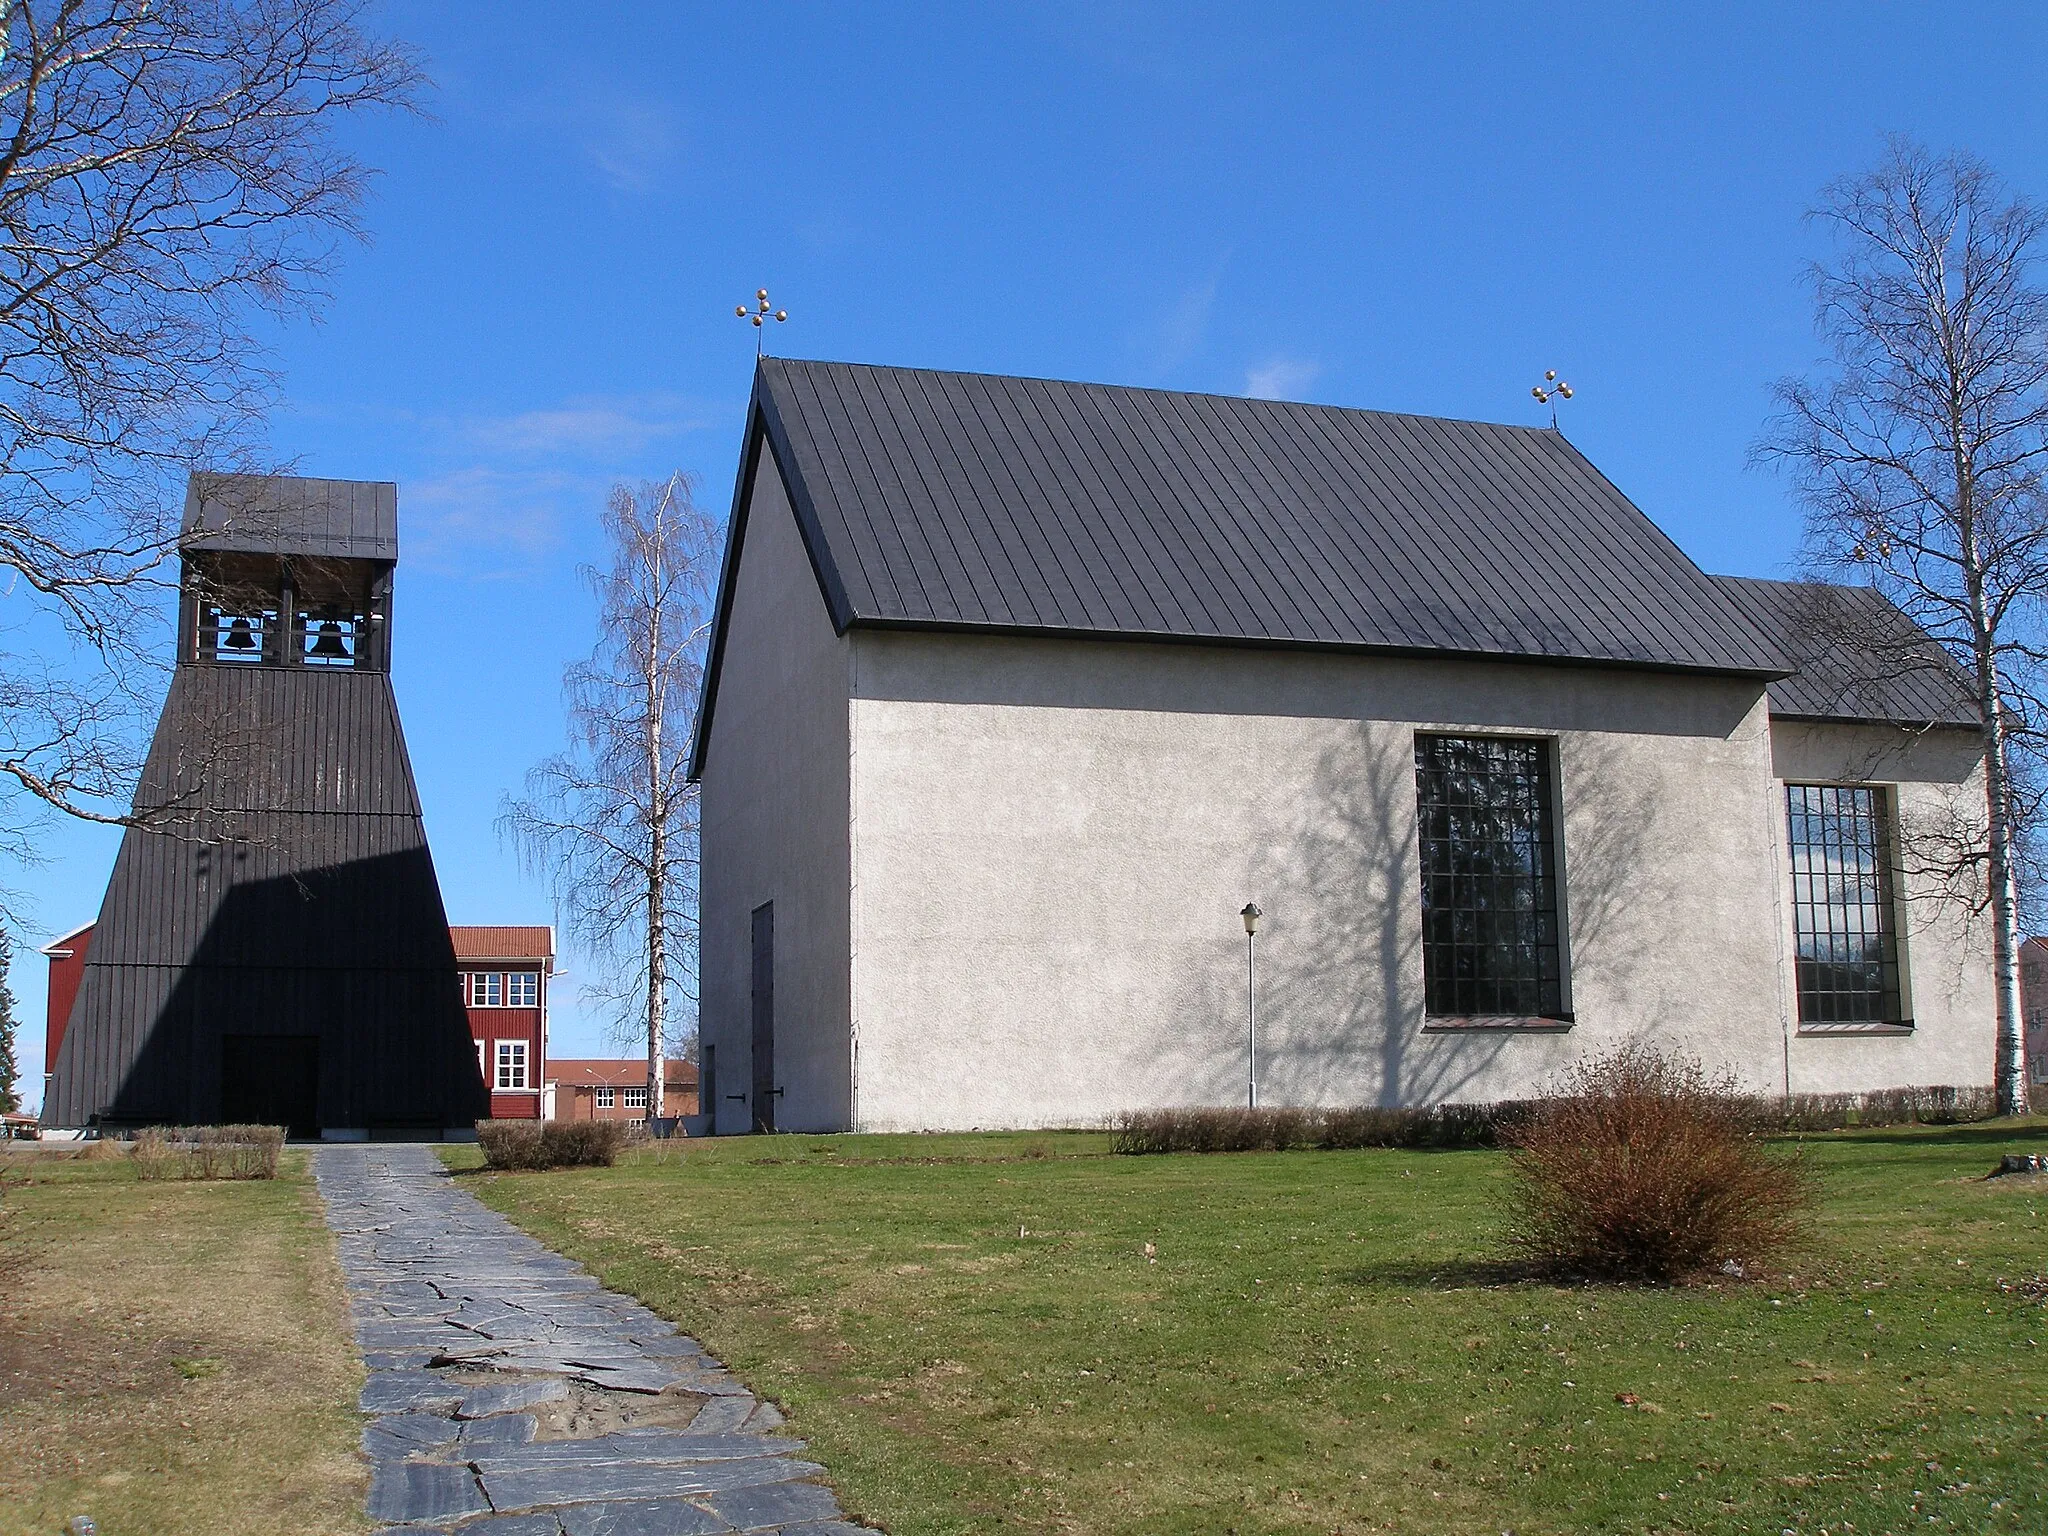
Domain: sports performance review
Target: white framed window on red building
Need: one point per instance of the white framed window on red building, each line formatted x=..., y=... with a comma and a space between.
x=501, y=989
x=636, y=1098
x=606, y=1098
x=511, y=1065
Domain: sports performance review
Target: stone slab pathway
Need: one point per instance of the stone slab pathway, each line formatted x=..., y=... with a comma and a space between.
x=513, y=1396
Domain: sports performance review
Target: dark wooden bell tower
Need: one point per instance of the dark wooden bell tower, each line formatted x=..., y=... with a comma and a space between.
x=272, y=946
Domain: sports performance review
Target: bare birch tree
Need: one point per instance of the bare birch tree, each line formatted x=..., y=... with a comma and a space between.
x=611, y=822
x=168, y=175
x=1920, y=454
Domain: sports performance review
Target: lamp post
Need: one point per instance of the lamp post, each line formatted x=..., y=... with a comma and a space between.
x=1251, y=915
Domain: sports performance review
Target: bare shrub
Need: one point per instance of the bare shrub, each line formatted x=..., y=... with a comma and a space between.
x=532, y=1145
x=1642, y=1167
x=237, y=1151
x=206, y=1151
x=583, y=1143
x=154, y=1154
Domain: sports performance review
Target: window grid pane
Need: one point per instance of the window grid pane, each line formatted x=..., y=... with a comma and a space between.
x=1490, y=936
x=522, y=989
x=511, y=1064
x=1848, y=953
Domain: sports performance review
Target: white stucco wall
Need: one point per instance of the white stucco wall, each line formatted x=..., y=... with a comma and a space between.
x=1053, y=840
x=775, y=828
x=1936, y=779
x=1007, y=872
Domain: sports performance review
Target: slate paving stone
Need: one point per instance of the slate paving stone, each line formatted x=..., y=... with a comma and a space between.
x=505, y=1429
x=538, y=1524
x=527, y=1487
x=722, y=1414
x=754, y=1509
x=436, y=1282
x=649, y=1380
x=408, y=1491
x=509, y=1397
x=657, y=1517
x=408, y=1392
x=417, y=1428
x=644, y=1445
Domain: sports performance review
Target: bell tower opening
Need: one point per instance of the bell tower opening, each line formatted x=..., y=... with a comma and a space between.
x=243, y=608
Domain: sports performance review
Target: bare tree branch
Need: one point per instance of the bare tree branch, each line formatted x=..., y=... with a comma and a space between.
x=612, y=821
x=1920, y=455
x=167, y=174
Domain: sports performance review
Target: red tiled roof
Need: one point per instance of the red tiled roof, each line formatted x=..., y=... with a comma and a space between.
x=498, y=943
x=627, y=1072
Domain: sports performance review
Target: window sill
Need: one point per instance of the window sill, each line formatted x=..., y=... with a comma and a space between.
x=1822, y=1031
x=1514, y=1023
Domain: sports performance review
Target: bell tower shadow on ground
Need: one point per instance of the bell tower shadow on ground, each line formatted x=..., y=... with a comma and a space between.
x=272, y=945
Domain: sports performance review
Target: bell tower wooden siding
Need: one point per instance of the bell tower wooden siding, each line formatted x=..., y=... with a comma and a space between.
x=282, y=906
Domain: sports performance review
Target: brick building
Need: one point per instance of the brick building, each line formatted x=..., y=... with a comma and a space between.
x=616, y=1089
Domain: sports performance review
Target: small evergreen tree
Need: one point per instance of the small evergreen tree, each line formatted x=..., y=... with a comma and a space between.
x=10, y=1069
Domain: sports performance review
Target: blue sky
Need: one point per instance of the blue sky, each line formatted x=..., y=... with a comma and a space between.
x=1413, y=208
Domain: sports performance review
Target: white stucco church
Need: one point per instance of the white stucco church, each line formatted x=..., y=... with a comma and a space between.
x=1019, y=691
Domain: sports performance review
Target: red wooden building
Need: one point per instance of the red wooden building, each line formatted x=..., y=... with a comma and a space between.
x=504, y=975
x=67, y=969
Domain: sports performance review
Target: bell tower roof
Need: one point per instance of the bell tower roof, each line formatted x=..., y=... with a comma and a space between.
x=289, y=515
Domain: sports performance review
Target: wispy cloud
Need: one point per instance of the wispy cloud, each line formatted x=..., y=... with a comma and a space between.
x=488, y=495
x=1176, y=333
x=634, y=143
x=594, y=427
x=486, y=522
x=1281, y=378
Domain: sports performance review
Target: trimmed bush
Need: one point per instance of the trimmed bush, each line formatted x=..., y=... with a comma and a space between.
x=1642, y=1167
x=207, y=1151
x=1150, y=1131
x=1276, y=1130
x=534, y=1145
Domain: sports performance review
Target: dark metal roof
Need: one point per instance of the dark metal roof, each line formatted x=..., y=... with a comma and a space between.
x=1857, y=656
x=1028, y=505
x=288, y=515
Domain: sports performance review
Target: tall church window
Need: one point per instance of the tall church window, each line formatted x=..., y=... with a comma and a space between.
x=1843, y=920
x=1491, y=940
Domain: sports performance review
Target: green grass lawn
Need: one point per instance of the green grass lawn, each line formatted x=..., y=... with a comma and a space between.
x=971, y=1333
x=174, y=1357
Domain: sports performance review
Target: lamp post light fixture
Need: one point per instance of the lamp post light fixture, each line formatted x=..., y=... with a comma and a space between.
x=1251, y=915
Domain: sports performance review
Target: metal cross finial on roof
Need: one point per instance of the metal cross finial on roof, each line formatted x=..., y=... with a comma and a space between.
x=1550, y=391
x=765, y=312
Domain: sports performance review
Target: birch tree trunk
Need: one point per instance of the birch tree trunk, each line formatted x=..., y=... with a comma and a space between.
x=1920, y=456
x=612, y=821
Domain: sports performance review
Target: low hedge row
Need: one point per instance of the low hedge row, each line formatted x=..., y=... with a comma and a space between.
x=1141, y=1132
x=540, y=1144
